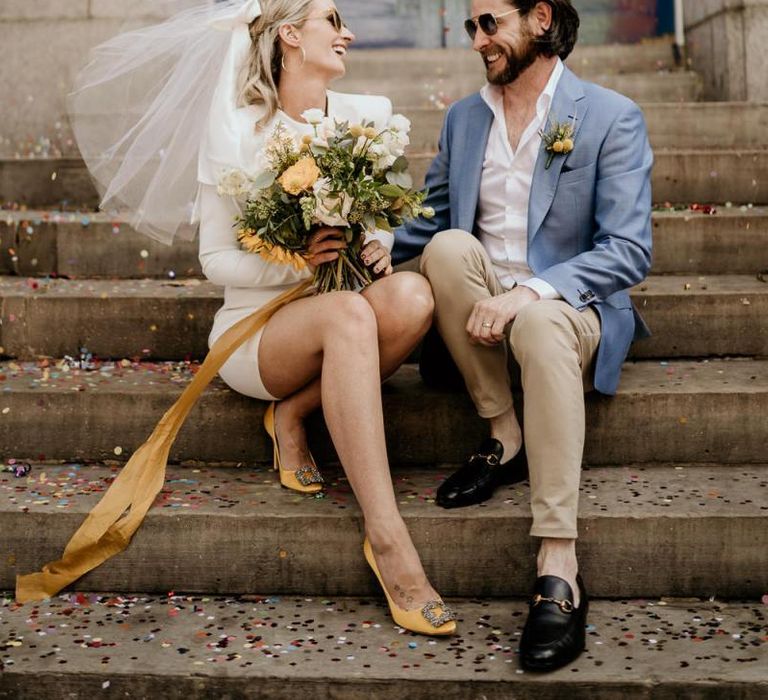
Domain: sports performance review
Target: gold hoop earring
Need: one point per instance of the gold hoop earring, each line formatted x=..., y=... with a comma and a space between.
x=303, y=60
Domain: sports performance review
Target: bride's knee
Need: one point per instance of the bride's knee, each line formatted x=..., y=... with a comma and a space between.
x=411, y=296
x=349, y=313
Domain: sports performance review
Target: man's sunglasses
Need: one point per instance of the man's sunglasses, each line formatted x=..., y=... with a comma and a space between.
x=334, y=18
x=488, y=22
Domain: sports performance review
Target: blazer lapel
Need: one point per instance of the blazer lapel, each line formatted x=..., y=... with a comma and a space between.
x=569, y=101
x=470, y=163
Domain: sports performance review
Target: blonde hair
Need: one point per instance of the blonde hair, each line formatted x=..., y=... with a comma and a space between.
x=265, y=61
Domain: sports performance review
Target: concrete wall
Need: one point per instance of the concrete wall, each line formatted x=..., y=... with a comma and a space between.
x=727, y=42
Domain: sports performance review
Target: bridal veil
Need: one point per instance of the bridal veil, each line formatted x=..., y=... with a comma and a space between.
x=141, y=107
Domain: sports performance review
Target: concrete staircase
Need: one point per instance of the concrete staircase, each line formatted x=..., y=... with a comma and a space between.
x=100, y=330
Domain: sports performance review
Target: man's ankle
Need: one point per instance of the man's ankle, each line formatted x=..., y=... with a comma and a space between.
x=506, y=429
x=557, y=557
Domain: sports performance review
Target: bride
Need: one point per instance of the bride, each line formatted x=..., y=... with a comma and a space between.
x=160, y=114
x=330, y=350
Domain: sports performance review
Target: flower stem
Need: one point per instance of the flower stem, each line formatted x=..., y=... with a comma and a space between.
x=363, y=279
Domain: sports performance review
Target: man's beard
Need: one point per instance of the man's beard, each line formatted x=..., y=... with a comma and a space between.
x=516, y=62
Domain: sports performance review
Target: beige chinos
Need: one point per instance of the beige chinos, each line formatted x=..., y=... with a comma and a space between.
x=554, y=345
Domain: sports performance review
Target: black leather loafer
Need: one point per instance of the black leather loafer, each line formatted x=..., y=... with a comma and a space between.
x=555, y=631
x=481, y=475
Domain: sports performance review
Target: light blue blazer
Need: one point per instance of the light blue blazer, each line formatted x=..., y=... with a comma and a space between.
x=589, y=217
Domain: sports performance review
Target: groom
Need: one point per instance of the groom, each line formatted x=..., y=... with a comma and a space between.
x=530, y=256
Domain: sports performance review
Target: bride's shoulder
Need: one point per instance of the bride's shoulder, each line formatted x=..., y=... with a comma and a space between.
x=375, y=108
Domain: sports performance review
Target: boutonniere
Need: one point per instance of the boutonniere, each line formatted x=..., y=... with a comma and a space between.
x=558, y=140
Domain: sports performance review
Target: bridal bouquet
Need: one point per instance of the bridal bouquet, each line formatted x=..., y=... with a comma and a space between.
x=351, y=176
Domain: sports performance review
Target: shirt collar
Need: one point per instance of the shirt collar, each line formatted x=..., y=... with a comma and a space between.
x=492, y=95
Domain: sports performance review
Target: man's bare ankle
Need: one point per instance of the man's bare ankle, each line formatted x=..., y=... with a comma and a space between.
x=557, y=557
x=506, y=429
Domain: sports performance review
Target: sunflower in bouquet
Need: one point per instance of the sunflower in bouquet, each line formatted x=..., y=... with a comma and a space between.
x=351, y=176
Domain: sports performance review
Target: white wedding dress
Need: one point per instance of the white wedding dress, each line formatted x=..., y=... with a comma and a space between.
x=249, y=281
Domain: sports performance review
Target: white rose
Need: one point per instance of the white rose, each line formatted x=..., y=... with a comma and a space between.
x=332, y=209
x=313, y=116
x=396, y=142
x=234, y=183
x=399, y=123
x=385, y=162
x=377, y=150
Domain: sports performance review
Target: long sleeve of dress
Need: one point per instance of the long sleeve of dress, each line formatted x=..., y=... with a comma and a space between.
x=223, y=261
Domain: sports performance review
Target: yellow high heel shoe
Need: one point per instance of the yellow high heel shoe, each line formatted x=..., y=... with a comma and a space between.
x=306, y=479
x=434, y=618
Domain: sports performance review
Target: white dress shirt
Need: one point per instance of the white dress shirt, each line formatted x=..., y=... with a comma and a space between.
x=505, y=190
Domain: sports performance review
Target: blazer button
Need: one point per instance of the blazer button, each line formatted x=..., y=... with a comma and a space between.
x=584, y=297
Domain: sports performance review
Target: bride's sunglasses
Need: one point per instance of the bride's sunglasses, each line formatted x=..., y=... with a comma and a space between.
x=335, y=20
x=488, y=22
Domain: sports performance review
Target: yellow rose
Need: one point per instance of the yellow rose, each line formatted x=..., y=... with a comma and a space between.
x=558, y=146
x=371, y=133
x=306, y=139
x=356, y=130
x=567, y=145
x=300, y=177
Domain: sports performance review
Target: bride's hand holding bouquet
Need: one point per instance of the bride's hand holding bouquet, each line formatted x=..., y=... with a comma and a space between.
x=320, y=196
x=324, y=244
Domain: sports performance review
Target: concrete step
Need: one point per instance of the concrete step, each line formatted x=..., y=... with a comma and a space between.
x=94, y=245
x=34, y=111
x=383, y=64
x=690, y=125
x=692, y=316
x=661, y=86
x=47, y=182
x=710, y=411
x=687, y=313
x=234, y=531
x=88, y=244
x=689, y=175
x=280, y=648
x=700, y=175
x=673, y=125
x=733, y=240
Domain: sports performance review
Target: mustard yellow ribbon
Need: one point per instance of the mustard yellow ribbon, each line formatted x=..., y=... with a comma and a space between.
x=109, y=527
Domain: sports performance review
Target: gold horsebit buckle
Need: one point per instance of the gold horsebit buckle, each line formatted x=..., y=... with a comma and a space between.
x=565, y=605
x=491, y=460
x=309, y=475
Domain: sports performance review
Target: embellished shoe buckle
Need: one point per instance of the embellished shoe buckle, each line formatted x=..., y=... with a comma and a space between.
x=428, y=611
x=565, y=605
x=308, y=475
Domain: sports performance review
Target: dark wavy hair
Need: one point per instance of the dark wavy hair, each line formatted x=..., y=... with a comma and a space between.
x=560, y=38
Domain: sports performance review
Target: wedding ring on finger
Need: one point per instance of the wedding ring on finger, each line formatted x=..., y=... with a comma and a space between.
x=487, y=325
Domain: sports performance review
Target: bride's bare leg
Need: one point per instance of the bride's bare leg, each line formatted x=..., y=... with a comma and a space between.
x=337, y=336
x=403, y=306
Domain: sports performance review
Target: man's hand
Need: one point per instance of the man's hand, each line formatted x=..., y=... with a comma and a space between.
x=490, y=316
